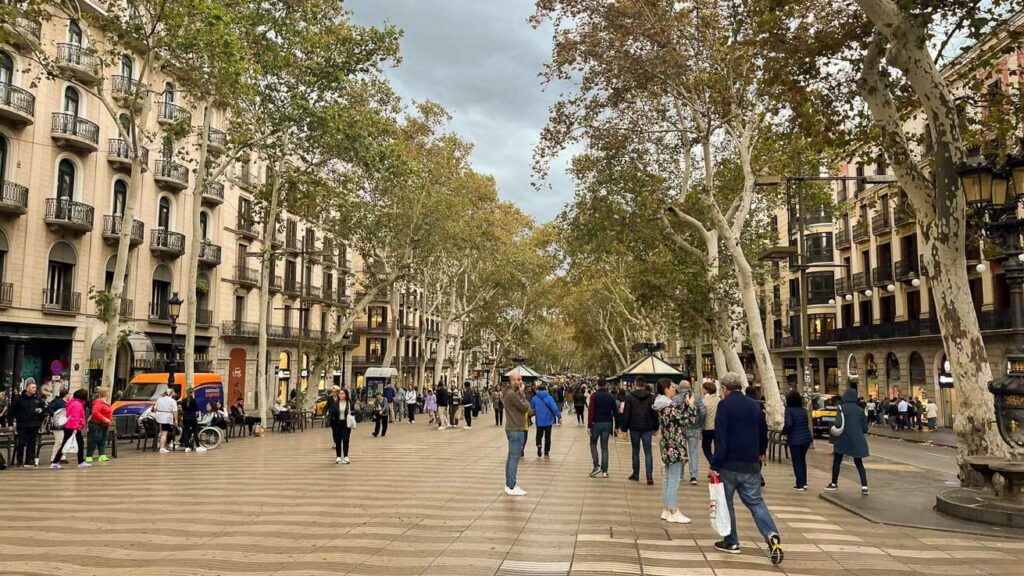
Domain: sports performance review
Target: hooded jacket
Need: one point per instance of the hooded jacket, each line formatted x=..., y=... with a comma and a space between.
x=639, y=414
x=545, y=409
x=852, y=441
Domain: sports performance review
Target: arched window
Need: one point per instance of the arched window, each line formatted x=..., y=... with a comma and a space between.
x=163, y=213
x=127, y=67
x=169, y=93
x=71, y=101
x=74, y=33
x=108, y=280
x=66, y=179
x=204, y=221
x=161, y=293
x=6, y=68
x=120, y=196
x=60, y=277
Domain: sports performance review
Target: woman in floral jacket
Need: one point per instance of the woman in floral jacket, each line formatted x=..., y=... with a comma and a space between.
x=673, y=416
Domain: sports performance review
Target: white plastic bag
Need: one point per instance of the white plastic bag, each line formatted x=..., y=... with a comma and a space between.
x=71, y=446
x=718, y=507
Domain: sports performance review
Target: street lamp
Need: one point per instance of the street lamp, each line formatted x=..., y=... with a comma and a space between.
x=173, y=310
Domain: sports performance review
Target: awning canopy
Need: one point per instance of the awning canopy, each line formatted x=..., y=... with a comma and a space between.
x=528, y=374
x=650, y=366
x=139, y=344
x=380, y=372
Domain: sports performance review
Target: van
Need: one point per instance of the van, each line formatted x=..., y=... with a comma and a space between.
x=145, y=389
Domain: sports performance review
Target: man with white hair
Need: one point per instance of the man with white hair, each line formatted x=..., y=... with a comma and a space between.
x=741, y=440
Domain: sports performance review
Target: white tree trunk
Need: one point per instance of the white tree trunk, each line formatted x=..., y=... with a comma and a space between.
x=192, y=277
x=269, y=229
x=442, y=347
x=393, y=333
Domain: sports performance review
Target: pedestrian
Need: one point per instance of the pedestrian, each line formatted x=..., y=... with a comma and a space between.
x=710, y=400
x=797, y=432
x=28, y=411
x=99, y=424
x=389, y=396
x=640, y=422
x=399, y=403
x=893, y=413
x=190, y=411
x=568, y=404
x=517, y=413
x=931, y=412
x=620, y=399
x=165, y=412
x=454, y=406
x=579, y=403
x=851, y=442
x=442, y=407
x=693, y=431
x=339, y=409
x=917, y=413
x=604, y=409
x=673, y=418
x=499, y=407
x=75, y=411
x=903, y=410
x=430, y=406
x=547, y=415
x=469, y=404
x=741, y=440
x=872, y=408
x=57, y=410
x=410, y=404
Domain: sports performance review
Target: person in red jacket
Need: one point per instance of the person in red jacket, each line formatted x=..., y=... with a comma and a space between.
x=99, y=424
x=73, y=428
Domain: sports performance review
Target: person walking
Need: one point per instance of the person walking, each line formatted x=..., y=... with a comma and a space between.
x=380, y=416
x=469, y=404
x=693, y=431
x=399, y=404
x=389, y=396
x=454, y=406
x=741, y=440
x=57, y=410
x=190, y=412
x=579, y=404
x=517, y=414
x=851, y=442
x=165, y=412
x=73, y=428
x=710, y=400
x=604, y=409
x=903, y=411
x=430, y=406
x=931, y=412
x=442, y=407
x=99, y=424
x=499, y=406
x=872, y=408
x=548, y=415
x=640, y=421
x=410, y=404
x=797, y=432
x=338, y=411
x=673, y=419
x=28, y=411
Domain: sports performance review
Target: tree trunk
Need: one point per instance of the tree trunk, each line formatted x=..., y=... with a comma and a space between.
x=456, y=361
x=442, y=347
x=192, y=277
x=698, y=360
x=721, y=367
x=269, y=229
x=393, y=333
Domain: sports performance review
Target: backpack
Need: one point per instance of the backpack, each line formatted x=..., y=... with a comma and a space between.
x=60, y=419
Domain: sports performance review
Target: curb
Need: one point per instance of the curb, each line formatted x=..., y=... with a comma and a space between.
x=923, y=441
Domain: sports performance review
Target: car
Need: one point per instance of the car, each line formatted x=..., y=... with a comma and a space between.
x=824, y=410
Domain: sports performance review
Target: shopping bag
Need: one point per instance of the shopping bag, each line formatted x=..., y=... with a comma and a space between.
x=71, y=446
x=718, y=507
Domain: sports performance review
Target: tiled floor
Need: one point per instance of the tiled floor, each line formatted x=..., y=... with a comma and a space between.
x=424, y=501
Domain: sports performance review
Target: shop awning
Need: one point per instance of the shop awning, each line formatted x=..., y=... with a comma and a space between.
x=138, y=343
x=652, y=366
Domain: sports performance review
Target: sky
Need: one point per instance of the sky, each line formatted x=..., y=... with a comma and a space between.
x=480, y=59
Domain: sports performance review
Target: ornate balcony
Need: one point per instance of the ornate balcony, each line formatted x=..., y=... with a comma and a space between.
x=6, y=294
x=218, y=142
x=64, y=214
x=246, y=276
x=213, y=193
x=842, y=238
x=166, y=244
x=127, y=90
x=13, y=198
x=861, y=231
x=246, y=226
x=170, y=113
x=17, y=105
x=882, y=275
x=73, y=132
x=860, y=281
x=881, y=223
x=119, y=157
x=112, y=230
x=209, y=253
x=843, y=286
x=239, y=329
x=170, y=175
x=62, y=302
x=907, y=270
x=903, y=213
x=80, y=62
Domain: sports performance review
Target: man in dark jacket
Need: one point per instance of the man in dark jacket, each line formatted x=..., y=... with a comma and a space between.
x=741, y=440
x=603, y=411
x=190, y=410
x=640, y=420
x=442, y=407
x=28, y=411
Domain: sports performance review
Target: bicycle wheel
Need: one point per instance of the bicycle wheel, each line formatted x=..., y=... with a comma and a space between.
x=210, y=437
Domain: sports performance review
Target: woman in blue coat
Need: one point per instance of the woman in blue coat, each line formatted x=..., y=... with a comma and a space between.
x=548, y=414
x=852, y=442
x=797, y=431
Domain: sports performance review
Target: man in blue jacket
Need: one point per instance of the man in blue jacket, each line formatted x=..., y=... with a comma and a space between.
x=547, y=413
x=741, y=440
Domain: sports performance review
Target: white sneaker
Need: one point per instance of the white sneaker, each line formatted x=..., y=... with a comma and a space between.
x=468, y=427
x=55, y=466
x=508, y=491
x=85, y=465
x=665, y=514
x=201, y=449
x=440, y=427
x=679, y=518
x=344, y=460
x=337, y=460
x=517, y=491
x=164, y=450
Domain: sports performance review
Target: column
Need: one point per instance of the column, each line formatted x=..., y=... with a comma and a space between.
x=19, y=359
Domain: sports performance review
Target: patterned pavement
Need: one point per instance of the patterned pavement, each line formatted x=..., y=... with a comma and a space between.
x=423, y=501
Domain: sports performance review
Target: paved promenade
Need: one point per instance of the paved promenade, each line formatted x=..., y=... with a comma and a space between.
x=428, y=502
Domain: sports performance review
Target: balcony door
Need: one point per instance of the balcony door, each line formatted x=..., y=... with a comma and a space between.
x=127, y=67
x=163, y=214
x=204, y=223
x=72, y=101
x=3, y=159
x=65, y=181
x=161, y=293
x=120, y=197
x=60, y=275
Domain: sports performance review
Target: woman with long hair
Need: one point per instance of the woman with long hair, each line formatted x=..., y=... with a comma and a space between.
x=673, y=417
x=338, y=410
x=73, y=428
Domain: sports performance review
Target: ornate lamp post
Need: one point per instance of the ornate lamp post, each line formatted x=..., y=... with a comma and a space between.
x=173, y=310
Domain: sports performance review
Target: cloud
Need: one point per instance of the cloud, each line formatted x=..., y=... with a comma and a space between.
x=480, y=59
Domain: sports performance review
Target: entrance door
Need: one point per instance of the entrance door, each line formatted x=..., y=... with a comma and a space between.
x=236, y=375
x=948, y=403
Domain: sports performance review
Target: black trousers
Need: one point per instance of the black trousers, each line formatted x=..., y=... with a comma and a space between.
x=837, y=461
x=579, y=414
x=380, y=425
x=499, y=413
x=544, y=435
x=189, y=433
x=25, y=444
x=798, y=454
x=68, y=434
x=341, y=434
x=410, y=409
x=251, y=421
x=707, y=441
x=467, y=413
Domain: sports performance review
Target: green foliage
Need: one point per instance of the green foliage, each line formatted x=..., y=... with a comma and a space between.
x=106, y=304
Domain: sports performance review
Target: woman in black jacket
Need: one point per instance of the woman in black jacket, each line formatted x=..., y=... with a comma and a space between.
x=798, y=436
x=338, y=407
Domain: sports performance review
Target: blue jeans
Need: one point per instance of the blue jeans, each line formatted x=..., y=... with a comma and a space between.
x=748, y=484
x=516, y=441
x=670, y=485
x=693, y=437
x=636, y=438
x=600, y=431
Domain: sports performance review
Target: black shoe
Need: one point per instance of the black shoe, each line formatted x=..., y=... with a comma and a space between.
x=595, y=472
x=650, y=480
x=775, y=549
x=693, y=481
x=634, y=477
x=724, y=546
x=832, y=487
x=539, y=453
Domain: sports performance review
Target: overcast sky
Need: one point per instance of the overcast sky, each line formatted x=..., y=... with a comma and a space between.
x=480, y=59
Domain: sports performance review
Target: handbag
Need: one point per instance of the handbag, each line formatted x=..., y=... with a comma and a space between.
x=60, y=418
x=71, y=446
x=835, y=430
x=718, y=507
x=350, y=420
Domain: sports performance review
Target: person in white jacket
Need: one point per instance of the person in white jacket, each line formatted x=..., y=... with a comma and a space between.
x=410, y=404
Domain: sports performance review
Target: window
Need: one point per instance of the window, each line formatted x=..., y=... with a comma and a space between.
x=821, y=287
x=244, y=211
x=127, y=67
x=126, y=124
x=161, y=293
x=3, y=255
x=287, y=317
x=71, y=101
x=204, y=221
x=163, y=213
x=74, y=33
x=66, y=179
x=240, y=256
x=168, y=95
x=60, y=276
x=108, y=281
x=376, y=318
x=120, y=197
x=6, y=70
x=239, y=309
x=290, y=276
x=375, y=347
x=860, y=177
x=821, y=327
x=818, y=247
x=167, y=148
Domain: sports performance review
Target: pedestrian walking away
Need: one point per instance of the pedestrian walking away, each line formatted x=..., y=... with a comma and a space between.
x=931, y=412
x=190, y=411
x=797, y=432
x=741, y=440
x=711, y=400
x=499, y=406
x=640, y=421
x=442, y=407
x=28, y=411
x=380, y=416
x=673, y=419
x=579, y=404
x=851, y=441
x=165, y=412
x=517, y=419
x=693, y=431
x=454, y=406
x=469, y=404
x=101, y=418
x=547, y=415
x=604, y=409
x=340, y=418
x=73, y=428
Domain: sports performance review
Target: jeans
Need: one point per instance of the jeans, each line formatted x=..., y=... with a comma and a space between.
x=932, y=423
x=68, y=435
x=516, y=441
x=499, y=413
x=670, y=485
x=453, y=414
x=748, y=485
x=636, y=439
x=600, y=431
x=543, y=436
x=798, y=454
x=707, y=441
x=837, y=460
x=693, y=449
x=380, y=425
x=26, y=442
x=97, y=439
x=341, y=434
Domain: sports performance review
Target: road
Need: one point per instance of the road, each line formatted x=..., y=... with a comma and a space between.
x=933, y=458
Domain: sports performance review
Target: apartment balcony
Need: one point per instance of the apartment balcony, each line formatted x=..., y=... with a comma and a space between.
x=24, y=31
x=842, y=238
x=166, y=244
x=217, y=143
x=170, y=175
x=328, y=294
x=61, y=302
x=128, y=91
x=213, y=193
x=367, y=328
x=881, y=223
x=276, y=283
x=126, y=310
x=882, y=276
x=120, y=157
x=246, y=276
x=433, y=334
x=75, y=133
x=903, y=329
x=343, y=300
x=903, y=213
x=6, y=294
x=204, y=317
x=239, y=329
x=410, y=330
x=860, y=282
x=209, y=253
x=68, y=215
x=861, y=231
x=159, y=312
x=112, y=230
x=291, y=287
x=363, y=361
x=312, y=293
x=907, y=270
x=246, y=226
x=17, y=105
x=13, y=199
x=842, y=285
x=79, y=62
x=170, y=113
